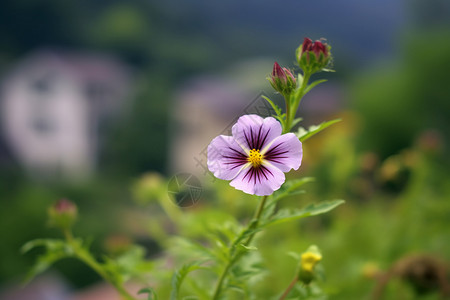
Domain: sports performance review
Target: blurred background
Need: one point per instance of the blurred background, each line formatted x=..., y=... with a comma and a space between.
x=94, y=94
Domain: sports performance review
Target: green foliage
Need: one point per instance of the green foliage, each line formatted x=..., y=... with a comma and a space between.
x=285, y=215
x=129, y=265
x=403, y=98
x=150, y=292
x=179, y=276
x=304, y=134
x=290, y=188
x=55, y=250
x=278, y=113
x=313, y=85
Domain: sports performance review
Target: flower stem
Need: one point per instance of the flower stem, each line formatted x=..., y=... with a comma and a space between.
x=287, y=100
x=255, y=221
x=87, y=258
x=293, y=105
x=289, y=288
x=236, y=255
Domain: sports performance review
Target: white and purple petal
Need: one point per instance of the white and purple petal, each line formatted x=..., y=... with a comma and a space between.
x=285, y=152
x=254, y=132
x=225, y=157
x=260, y=181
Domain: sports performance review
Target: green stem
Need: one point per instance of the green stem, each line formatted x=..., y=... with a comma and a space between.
x=236, y=255
x=68, y=235
x=255, y=221
x=288, y=123
x=221, y=279
x=289, y=288
x=297, y=98
x=87, y=258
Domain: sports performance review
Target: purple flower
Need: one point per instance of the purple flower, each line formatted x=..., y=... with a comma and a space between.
x=255, y=156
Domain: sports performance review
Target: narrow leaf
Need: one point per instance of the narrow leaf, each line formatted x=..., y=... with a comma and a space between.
x=285, y=215
x=304, y=134
x=313, y=84
x=288, y=188
x=151, y=293
x=299, y=79
x=49, y=244
x=249, y=248
x=274, y=106
x=179, y=276
x=43, y=262
x=296, y=121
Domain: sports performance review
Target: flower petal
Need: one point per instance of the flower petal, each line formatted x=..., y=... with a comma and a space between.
x=254, y=132
x=261, y=181
x=285, y=152
x=225, y=157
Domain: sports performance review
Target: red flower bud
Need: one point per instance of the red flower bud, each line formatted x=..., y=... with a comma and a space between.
x=278, y=73
x=319, y=48
x=289, y=74
x=307, y=44
x=282, y=79
x=313, y=56
x=64, y=206
x=62, y=214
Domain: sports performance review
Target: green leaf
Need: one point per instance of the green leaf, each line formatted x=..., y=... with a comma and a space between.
x=292, y=185
x=49, y=244
x=281, y=119
x=244, y=234
x=43, y=263
x=299, y=79
x=180, y=275
x=285, y=215
x=279, y=114
x=304, y=134
x=151, y=293
x=200, y=291
x=54, y=251
x=130, y=264
x=248, y=248
x=296, y=121
x=290, y=188
x=197, y=250
x=328, y=70
x=312, y=85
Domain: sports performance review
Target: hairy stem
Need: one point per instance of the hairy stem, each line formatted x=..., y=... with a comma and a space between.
x=287, y=100
x=298, y=95
x=236, y=255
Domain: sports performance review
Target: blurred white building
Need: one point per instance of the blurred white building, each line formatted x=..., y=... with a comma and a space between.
x=51, y=104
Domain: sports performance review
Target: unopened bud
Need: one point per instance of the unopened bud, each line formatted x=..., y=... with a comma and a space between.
x=282, y=79
x=149, y=187
x=63, y=214
x=309, y=260
x=312, y=56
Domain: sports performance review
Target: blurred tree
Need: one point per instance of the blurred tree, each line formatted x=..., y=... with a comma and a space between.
x=401, y=99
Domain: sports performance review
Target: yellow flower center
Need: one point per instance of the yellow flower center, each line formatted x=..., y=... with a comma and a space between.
x=255, y=157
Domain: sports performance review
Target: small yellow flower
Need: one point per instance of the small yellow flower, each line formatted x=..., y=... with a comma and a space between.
x=309, y=260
